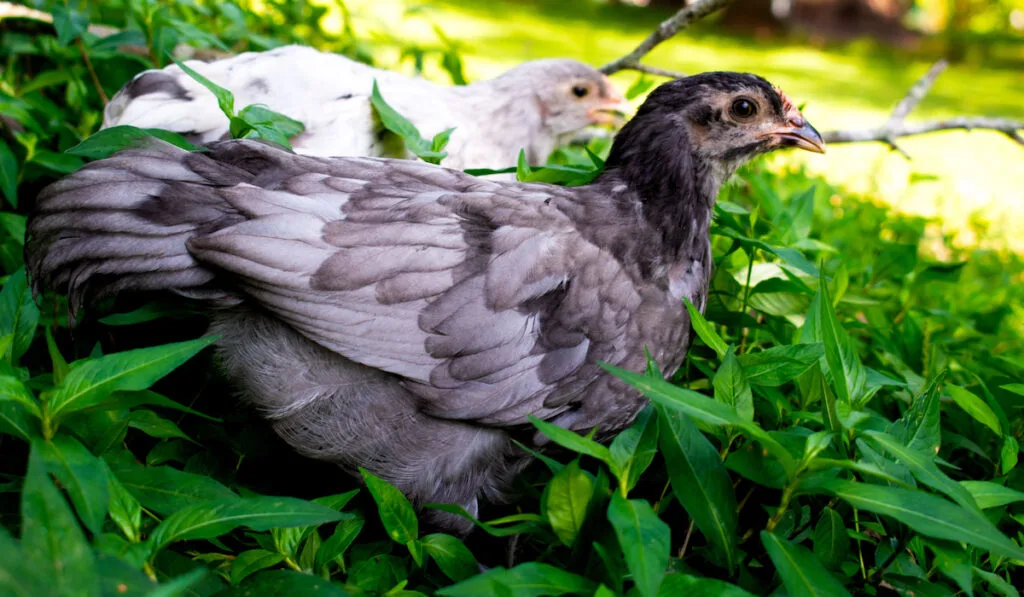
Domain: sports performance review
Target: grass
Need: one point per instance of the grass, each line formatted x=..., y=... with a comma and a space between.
x=955, y=176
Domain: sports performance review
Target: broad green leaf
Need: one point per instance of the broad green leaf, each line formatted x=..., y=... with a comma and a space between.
x=848, y=373
x=1016, y=388
x=500, y=527
x=8, y=173
x=533, y=579
x=645, y=541
x=396, y=512
x=179, y=585
x=675, y=585
x=991, y=495
x=15, y=418
x=51, y=539
x=343, y=536
x=92, y=381
x=1008, y=454
x=704, y=409
x=953, y=561
x=780, y=364
x=920, y=427
x=166, y=490
x=154, y=425
x=976, y=407
x=125, y=510
x=60, y=366
x=262, y=122
x=207, y=520
x=225, y=99
x=566, y=501
x=18, y=578
x=106, y=142
x=69, y=23
x=831, y=540
x=633, y=449
x=924, y=469
x=997, y=583
x=572, y=440
x=13, y=390
x=452, y=556
x=401, y=126
x=284, y=582
x=705, y=330
x=927, y=514
x=802, y=574
x=732, y=387
x=700, y=481
x=19, y=315
x=252, y=561
x=81, y=474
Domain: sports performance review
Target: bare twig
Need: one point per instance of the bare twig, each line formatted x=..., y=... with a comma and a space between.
x=896, y=127
x=661, y=72
x=1010, y=128
x=668, y=28
x=92, y=71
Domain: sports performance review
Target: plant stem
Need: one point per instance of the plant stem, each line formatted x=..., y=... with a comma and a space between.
x=686, y=541
x=92, y=71
x=787, y=495
x=860, y=548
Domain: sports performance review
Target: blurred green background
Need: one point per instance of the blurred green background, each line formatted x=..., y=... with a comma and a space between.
x=849, y=62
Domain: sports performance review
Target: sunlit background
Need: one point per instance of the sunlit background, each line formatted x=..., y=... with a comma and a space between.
x=848, y=61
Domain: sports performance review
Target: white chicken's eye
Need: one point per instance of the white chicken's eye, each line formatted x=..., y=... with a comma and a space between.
x=580, y=91
x=743, y=109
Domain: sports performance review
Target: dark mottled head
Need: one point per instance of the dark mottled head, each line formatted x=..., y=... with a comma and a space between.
x=570, y=95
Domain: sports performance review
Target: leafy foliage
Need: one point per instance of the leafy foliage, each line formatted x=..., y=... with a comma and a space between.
x=847, y=420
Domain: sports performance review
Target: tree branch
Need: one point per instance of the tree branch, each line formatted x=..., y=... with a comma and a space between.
x=667, y=29
x=896, y=127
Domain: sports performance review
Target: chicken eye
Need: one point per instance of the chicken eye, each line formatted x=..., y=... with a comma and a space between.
x=743, y=108
x=580, y=91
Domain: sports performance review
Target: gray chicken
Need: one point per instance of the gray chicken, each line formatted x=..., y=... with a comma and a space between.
x=535, y=106
x=404, y=317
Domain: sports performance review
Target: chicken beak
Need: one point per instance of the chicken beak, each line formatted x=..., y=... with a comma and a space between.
x=612, y=110
x=799, y=133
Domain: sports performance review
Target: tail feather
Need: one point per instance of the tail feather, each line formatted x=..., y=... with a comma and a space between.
x=123, y=224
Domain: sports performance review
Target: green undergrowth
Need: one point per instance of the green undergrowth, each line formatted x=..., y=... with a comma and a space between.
x=847, y=421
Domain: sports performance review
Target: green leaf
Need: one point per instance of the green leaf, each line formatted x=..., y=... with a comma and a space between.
x=401, y=126
x=831, y=540
x=976, y=407
x=335, y=545
x=802, y=574
x=207, y=520
x=1008, y=454
x=923, y=467
x=19, y=315
x=848, y=373
x=266, y=124
x=700, y=481
x=125, y=510
x=704, y=409
x=920, y=428
x=69, y=23
x=81, y=474
x=953, y=561
x=13, y=390
x=645, y=541
x=252, y=561
x=732, y=387
x=991, y=495
x=567, y=499
x=180, y=585
x=108, y=141
x=780, y=364
x=997, y=583
x=704, y=330
x=571, y=440
x=15, y=417
x=166, y=490
x=927, y=514
x=91, y=381
x=675, y=585
x=452, y=556
x=225, y=99
x=396, y=512
x=8, y=173
x=154, y=425
x=633, y=449
x=526, y=580
x=51, y=539
x=284, y=582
